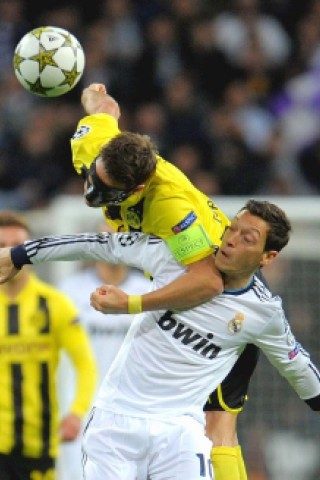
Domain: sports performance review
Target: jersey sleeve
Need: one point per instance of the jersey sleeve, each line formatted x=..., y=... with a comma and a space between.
x=145, y=252
x=181, y=226
x=291, y=360
x=74, y=341
x=92, y=133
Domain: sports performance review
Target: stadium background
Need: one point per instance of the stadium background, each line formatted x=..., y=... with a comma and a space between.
x=239, y=114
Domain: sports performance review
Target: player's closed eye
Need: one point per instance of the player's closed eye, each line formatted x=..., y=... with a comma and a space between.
x=249, y=239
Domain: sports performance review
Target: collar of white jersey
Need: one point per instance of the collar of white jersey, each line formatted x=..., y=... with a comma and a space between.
x=239, y=291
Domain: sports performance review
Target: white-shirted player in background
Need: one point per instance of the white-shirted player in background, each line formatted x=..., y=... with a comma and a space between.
x=106, y=333
x=148, y=416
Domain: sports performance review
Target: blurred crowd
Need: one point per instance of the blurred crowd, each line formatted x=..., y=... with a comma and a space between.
x=228, y=90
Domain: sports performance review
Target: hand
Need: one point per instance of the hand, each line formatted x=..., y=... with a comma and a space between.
x=70, y=427
x=109, y=299
x=7, y=269
x=95, y=99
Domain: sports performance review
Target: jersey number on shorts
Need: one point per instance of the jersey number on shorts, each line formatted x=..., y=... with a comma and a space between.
x=205, y=466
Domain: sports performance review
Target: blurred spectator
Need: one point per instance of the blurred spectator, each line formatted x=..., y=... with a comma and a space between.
x=160, y=59
x=235, y=29
x=306, y=45
x=253, y=120
x=255, y=42
x=38, y=167
x=123, y=42
x=190, y=159
x=309, y=163
x=296, y=108
x=185, y=112
x=240, y=170
x=68, y=16
x=13, y=26
x=211, y=69
x=98, y=68
x=150, y=119
x=187, y=157
x=207, y=182
x=184, y=13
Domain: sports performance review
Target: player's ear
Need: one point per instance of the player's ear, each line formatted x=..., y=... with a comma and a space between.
x=268, y=257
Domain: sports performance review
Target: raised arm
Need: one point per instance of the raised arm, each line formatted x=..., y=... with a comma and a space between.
x=194, y=285
x=193, y=288
x=95, y=99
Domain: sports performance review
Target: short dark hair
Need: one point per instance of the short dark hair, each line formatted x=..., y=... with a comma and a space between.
x=129, y=159
x=280, y=226
x=10, y=218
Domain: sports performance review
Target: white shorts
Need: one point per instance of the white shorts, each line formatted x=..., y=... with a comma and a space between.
x=119, y=447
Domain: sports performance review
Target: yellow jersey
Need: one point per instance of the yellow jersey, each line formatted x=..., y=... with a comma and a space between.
x=169, y=206
x=34, y=328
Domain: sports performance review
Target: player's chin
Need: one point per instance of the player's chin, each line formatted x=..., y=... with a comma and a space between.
x=222, y=264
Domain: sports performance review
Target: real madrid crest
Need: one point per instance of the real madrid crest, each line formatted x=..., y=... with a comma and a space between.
x=235, y=325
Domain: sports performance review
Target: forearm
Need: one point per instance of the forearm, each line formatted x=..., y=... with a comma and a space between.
x=95, y=99
x=291, y=360
x=87, y=246
x=184, y=293
x=197, y=285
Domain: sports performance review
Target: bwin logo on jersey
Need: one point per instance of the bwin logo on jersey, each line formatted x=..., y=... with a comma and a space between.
x=128, y=239
x=81, y=132
x=235, y=325
x=188, y=337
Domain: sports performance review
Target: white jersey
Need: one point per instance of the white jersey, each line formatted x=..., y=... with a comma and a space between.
x=170, y=362
x=106, y=332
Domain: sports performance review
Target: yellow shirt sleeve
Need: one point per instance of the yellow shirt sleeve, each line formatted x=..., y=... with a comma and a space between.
x=74, y=340
x=93, y=132
x=191, y=232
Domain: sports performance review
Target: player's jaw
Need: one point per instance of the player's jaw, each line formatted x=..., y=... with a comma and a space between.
x=237, y=261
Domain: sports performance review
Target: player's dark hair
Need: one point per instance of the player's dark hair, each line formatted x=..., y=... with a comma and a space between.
x=279, y=224
x=129, y=159
x=9, y=218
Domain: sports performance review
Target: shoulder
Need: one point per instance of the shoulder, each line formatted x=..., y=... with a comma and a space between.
x=258, y=292
x=95, y=122
x=261, y=290
x=167, y=174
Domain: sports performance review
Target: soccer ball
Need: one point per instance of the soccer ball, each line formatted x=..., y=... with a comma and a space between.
x=48, y=61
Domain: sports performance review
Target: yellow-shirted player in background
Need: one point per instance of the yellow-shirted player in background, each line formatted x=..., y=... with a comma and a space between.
x=140, y=191
x=37, y=322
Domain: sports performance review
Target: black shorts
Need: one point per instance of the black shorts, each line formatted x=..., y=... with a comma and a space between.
x=17, y=467
x=232, y=392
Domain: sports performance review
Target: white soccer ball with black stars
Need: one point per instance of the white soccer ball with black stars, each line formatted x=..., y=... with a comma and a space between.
x=49, y=61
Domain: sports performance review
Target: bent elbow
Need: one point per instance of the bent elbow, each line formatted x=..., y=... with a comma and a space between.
x=211, y=287
x=215, y=286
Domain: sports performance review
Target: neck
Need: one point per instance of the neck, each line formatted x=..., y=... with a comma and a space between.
x=14, y=286
x=236, y=283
